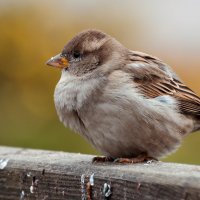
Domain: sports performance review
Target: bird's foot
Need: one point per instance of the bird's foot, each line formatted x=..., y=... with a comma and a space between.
x=143, y=157
x=102, y=159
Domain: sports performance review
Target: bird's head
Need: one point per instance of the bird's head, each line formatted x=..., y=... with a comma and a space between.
x=86, y=52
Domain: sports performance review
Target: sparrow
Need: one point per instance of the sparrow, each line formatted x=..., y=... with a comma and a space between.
x=129, y=105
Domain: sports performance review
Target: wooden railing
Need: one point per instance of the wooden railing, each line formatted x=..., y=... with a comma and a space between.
x=36, y=174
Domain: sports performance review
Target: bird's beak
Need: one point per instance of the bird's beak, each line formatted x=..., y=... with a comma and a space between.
x=58, y=61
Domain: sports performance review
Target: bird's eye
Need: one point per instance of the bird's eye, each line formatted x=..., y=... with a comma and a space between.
x=76, y=54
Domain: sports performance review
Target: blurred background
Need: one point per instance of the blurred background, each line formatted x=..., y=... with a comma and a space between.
x=33, y=31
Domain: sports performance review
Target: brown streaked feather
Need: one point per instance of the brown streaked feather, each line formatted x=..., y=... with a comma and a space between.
x=154, y=78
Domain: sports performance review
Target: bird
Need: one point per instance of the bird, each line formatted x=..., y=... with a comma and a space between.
x=131, y=106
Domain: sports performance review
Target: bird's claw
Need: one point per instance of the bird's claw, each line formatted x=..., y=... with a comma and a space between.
x=102, y=159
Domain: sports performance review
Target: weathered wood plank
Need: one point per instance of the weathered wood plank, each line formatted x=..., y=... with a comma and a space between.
x=34, y=174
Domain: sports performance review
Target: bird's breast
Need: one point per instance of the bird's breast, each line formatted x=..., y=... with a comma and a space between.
x=71, y=95
x=72, y=92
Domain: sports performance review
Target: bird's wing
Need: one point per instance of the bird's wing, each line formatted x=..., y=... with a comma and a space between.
x=154, y=78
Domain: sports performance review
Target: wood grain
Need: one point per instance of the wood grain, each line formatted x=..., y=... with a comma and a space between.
x=35, y=174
